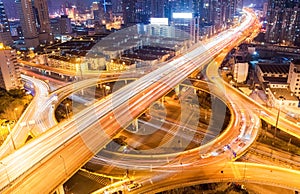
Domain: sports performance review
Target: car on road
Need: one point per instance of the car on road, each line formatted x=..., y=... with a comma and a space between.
x=206, y=155
x=134, y=186
x=227, y=147
x=217, y=152
x=145, y=117
x=241, y=144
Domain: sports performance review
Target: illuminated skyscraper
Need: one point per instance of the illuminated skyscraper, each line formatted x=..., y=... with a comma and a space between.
x=42, y=20
x=5, y=35
x=129, y=12
x=283, y=17
x=239, y=5
x=140, y=11
x=294, y=77
x=107, y=9
x=28, y=22
x=158, y=8
x=9, y=69
x=143, y=11
x=117, y=6
x=35, y=23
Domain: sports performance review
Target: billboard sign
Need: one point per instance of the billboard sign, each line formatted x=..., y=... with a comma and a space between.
x=159, y=21
x=183, y=15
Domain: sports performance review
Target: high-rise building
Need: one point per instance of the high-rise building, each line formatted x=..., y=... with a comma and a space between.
x=140, y=11
x=205, y=10
x=117, y=7
x=182, y=6
x=9, y=69
x=5, y=35
x=28, y=22
x=107, y=6
x=129, y=13
x=209, y=16
x=216, y=15
x=107, y=10
x=95, y=6
x=35, y=23
x=265, y=9
x=143, y=11
x=61, y=26
x=99, y=13
x=42, y=20
x=283, y=17
x=294, y=77
x=185, y=18
x=239, y=5
x=158, y=8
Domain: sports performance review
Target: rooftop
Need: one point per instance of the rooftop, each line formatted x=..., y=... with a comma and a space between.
x=276, y=80
x=147, y=53
x=275, y=68
x=296, y=61
x=284, y=92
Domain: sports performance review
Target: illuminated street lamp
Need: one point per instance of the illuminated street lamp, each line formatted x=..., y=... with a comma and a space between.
x=67, y=112
x=281, y=98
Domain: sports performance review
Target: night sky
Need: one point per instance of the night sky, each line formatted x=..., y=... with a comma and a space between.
x=53, y=4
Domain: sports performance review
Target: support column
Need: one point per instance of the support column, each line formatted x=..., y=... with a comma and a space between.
x=60, y=189
x=107, y=90
x=102, y=88
x=136, y=124
x=194, y=91
x=162, y=102
x=177, y=90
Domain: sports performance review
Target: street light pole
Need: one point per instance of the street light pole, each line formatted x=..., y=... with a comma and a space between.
x=281, y=98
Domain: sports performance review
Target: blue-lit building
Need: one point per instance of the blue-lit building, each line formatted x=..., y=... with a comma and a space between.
x=129, y=12
x=5, y=36
x=283, y=17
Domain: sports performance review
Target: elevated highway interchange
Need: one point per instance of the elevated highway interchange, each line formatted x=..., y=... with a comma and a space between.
x=24, y=168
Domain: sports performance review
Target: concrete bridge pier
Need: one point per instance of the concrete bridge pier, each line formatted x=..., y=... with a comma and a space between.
x=135, y=123
x=59, y=190
x=177, y=90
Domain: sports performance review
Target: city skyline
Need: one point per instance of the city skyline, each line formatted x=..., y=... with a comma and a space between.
x=56, y=4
